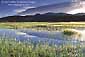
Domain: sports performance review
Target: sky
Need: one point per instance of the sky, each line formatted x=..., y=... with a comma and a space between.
x=80, y=9
x=11, y=7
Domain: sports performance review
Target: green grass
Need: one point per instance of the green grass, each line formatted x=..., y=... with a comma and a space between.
x=11, y=48
x=70, y=32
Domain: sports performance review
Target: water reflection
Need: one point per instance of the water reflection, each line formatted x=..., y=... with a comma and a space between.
x=37, y=36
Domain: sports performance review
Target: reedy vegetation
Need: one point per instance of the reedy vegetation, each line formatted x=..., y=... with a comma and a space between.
x=12, y=48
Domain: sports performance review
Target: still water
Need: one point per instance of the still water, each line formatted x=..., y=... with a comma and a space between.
x=52, y=37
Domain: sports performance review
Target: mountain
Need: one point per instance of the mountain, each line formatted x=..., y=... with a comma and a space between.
x=47, y=17
x=56, y=8
x=80, y=14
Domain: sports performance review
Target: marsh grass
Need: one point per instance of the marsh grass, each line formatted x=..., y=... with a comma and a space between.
x=9, y=47
x=12, y=48
x=70, y=34
x=42, y=25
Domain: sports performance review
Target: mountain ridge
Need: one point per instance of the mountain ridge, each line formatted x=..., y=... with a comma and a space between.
x=47, y=17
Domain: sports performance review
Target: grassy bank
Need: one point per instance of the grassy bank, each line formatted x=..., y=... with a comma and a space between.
x=42, y=25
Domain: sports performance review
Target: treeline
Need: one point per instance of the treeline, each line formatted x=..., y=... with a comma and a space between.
x=47, y=17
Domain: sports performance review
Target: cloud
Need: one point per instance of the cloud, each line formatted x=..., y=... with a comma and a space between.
x=70, y=7
x=32, y=2
x=80, y=8
x=22, y=9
